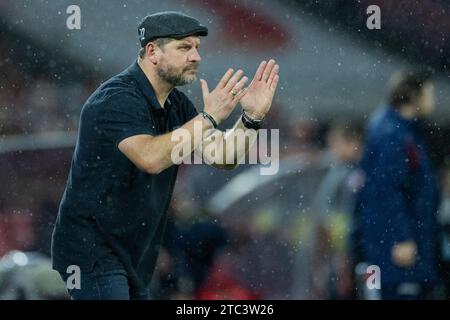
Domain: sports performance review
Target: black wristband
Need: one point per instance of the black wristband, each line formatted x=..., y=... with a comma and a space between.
x=210, y=118
x=250, y=123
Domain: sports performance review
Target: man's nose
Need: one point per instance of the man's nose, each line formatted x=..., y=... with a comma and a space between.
x=195, y=56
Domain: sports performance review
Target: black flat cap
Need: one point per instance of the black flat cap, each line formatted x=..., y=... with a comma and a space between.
x=169, y=24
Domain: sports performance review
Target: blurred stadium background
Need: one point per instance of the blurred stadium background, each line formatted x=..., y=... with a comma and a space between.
x=235, y=234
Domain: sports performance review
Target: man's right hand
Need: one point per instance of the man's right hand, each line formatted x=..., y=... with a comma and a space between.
x=220, y=102
x=404, y=254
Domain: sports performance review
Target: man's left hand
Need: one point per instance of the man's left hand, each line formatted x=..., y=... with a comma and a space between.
x=258, y=96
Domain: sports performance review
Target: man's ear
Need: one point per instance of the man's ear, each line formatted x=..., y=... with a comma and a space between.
x=151, y=52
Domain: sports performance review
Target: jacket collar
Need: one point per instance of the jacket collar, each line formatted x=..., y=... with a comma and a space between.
x=146, y=88
x=397, y=117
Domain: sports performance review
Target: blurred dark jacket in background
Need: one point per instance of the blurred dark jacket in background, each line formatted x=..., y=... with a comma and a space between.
x=399, y=199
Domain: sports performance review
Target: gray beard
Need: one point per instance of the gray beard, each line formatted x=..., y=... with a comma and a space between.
x=173, y=78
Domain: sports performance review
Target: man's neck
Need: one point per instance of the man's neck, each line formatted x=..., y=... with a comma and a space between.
x=408, y=112
x=162, y=89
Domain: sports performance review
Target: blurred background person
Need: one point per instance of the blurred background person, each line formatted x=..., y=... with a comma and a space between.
x=397, y=206
x=333, y=205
